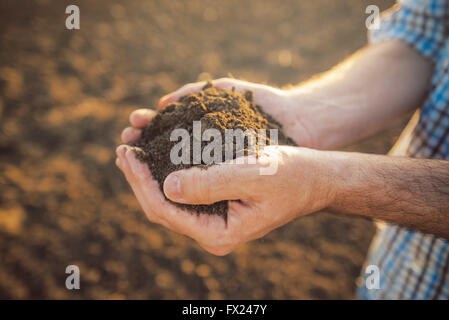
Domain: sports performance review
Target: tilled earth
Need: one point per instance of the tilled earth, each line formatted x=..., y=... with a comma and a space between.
x=64, y=98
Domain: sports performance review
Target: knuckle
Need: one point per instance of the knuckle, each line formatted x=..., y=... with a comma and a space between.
x=221, y=252
x=132, y=115
x=154, y=218
x=194, y=186
x=146, y=177
x=218, y=251
x=204, y=186
x=188, y=86
x=221, y=179
x=223, y=81
x=123, y=134
x=219, y=244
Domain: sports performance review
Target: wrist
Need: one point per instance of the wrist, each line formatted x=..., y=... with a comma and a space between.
x=313, y=120
x=319, y=175
x=347, y=181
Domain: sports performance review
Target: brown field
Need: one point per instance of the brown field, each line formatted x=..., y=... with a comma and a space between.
x=66, y=95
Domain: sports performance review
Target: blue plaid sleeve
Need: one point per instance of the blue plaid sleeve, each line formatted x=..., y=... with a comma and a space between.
x=424, y=24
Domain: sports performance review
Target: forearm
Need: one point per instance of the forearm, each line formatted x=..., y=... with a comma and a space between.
x=410, y=192
x=364, y=94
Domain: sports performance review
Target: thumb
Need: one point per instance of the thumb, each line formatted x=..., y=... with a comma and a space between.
x=219, y=182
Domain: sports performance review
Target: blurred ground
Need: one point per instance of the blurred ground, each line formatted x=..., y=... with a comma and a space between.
x=66, y=95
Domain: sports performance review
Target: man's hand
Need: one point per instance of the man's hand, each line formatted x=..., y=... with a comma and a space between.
x=301, y=184
x=410, y=192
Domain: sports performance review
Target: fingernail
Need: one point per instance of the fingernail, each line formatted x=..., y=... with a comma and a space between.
x=120, y=150
x=172, y=187
x=121, y=161
x=133, y=162
x=129, y=153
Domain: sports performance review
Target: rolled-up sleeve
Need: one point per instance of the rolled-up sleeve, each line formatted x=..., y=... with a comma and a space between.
x=424, y=24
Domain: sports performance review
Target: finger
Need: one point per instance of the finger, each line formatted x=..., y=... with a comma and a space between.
x=124, y=164
x=217, y=251
x=174, y=96
x=226, y=181
x=198, y=227
x=143, y=176
x=206, y=229
x=141, y=117
x=130, y=134
x=223, y=83
x=147, y=190
x=262, y=93
x=239, y=85
x=121, y=160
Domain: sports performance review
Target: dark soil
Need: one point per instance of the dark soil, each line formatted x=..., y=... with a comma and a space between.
x=215, y=109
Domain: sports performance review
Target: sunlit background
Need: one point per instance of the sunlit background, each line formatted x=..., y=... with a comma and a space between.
x=64, y=98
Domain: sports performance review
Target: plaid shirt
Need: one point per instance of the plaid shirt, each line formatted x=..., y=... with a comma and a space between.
x=415, y=265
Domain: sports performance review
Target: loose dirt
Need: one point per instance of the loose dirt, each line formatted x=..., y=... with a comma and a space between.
x=214, y=109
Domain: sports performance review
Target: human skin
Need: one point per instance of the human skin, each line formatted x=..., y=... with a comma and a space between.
x=361, y=96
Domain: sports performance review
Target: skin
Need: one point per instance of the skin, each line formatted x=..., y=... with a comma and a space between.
x=354, y=100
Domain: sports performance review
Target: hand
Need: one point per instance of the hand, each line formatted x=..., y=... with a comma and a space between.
x=285, y=106
x=299, y=186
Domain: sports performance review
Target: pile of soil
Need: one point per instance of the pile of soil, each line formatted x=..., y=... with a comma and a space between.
x=214, y=108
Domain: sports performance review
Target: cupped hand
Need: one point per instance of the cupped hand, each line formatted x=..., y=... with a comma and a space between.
x=299, y=184
x=265, y=201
